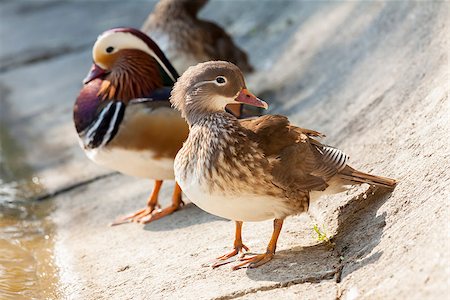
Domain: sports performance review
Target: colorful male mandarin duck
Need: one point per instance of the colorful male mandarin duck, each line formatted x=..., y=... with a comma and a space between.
x=255, y=169
x=124, y=118
x=187, y=40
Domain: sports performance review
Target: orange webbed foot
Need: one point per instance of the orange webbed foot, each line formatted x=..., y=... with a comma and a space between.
x=135, y=217
x=160, y=213
x=225, y=259
x=153, y=210
x=254, y=261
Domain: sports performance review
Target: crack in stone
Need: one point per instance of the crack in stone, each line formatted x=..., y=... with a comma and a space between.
x=69, y=188
x=310, y=279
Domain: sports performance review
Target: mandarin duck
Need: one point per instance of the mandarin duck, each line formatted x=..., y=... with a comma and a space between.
x=254, y=169
x=187, y=40
x=123, y=116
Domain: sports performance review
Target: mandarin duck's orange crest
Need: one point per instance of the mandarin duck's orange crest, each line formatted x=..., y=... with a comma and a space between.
x=130, y=64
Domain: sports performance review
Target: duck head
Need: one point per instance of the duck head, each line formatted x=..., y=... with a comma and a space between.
x=208, y=87
x=130, y=65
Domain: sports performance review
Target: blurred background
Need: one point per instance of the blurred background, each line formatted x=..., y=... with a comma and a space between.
x=372, y=75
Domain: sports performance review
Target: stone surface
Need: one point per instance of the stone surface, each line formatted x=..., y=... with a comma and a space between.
x=373, y=76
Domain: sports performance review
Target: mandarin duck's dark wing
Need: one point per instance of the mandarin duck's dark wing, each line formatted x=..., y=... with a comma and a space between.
x=298, y=160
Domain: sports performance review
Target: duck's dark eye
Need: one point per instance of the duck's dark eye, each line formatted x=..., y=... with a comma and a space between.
x=220, y=80
x=109, y=49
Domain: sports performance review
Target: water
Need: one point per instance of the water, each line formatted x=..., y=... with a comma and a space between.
x=26, y=229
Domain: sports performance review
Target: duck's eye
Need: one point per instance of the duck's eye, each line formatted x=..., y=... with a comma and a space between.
x=109, y=49
x=221, y=80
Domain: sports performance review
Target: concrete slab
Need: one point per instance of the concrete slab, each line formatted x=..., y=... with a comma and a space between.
x=373, y=76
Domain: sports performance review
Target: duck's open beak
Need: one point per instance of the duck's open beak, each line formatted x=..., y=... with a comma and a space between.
x=94, y=73
x=248, y=98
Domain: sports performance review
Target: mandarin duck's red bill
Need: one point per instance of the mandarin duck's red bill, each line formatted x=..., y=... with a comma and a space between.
x=255, y=169
x=123, y=117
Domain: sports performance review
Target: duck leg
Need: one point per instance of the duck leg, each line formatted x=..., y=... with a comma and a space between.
x=152, y=203
x=177, y=202
x=238, y=247
x=260, y=259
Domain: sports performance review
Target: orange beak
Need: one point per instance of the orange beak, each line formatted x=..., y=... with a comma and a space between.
x=94, y=73
x=248, y=98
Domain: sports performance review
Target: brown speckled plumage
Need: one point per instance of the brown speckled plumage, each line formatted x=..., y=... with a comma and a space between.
x=187, y=40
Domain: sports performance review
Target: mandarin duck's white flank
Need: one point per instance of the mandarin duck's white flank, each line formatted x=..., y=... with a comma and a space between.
x=255, y=169
x=123, y=117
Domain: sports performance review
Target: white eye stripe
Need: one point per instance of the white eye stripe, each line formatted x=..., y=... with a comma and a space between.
x=210, y=81
x=203, y=83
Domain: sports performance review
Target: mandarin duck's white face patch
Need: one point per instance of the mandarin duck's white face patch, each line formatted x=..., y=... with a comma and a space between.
x=111, y=42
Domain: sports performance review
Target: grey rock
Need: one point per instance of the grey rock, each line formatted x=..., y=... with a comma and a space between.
x=372, y=76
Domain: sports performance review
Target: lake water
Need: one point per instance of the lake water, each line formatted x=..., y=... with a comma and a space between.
x=27, y=270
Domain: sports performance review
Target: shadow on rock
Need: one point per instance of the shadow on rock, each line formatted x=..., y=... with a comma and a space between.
x=298, y=265
x=187, y=216
x=359, y=232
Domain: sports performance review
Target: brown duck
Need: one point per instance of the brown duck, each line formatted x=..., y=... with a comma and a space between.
x=187, y=40
x=255, y=169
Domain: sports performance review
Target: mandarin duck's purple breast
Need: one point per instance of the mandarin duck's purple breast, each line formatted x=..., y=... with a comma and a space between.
x=87, y=105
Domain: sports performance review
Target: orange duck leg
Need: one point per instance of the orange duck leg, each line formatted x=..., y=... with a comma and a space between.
x=161, y=213
x=238, y=248
x=152, y=211
x=260, y=259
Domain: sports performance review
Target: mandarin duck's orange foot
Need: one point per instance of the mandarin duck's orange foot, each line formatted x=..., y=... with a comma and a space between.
x=158, y=214
x=135, y=217
x=161, y=213
x=225, y=259
x=152, y=203
x=254, y=261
